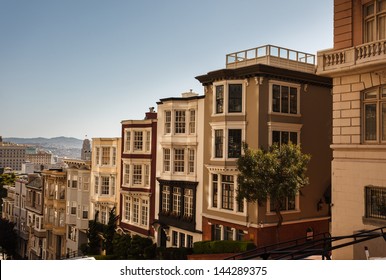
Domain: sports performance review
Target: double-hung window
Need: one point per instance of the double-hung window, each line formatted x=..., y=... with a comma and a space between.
x=105, y=186
x=168, y=121
x=166, y=160
x=235, y=92
x=374, y=115
x=234, y=143
x=284, y=99
x=218, y=143
x=227, y=192
x=179, y=122
x=228, y=98
x=179, y=160
x=105, y=155
x=176, y=201
x=374, y=21
x=138, y=141
x=219, y=106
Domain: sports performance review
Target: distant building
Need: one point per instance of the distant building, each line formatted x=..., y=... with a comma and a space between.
x=78, y=204
x=20, y=214
x=35, y=221
x=40, y=157
x=86, y=150
x=12, y=155
x=54, y=182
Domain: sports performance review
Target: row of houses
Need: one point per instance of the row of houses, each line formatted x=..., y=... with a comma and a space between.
x=173, y=177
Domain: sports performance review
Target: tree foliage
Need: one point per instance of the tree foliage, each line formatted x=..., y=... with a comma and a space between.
x=109, y=232
x=7, y=237
x=94, y=241
x=276, y=173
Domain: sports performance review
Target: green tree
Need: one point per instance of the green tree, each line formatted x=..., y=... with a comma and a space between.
x=109, y=232
x=276, y=173
x=7, y=237
x=5, y=179
x=94, y=241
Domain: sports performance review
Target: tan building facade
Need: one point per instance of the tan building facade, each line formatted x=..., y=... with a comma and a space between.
x=265, y=95
x=55, y=182
x=77, y=205
x=357, y=64
x=105, y=174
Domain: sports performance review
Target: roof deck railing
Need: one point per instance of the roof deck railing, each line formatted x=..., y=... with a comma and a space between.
x=272, y=55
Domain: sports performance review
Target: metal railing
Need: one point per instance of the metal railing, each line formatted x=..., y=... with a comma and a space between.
x=278, y=54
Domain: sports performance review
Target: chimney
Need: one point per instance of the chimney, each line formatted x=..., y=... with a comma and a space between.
x=151, y=115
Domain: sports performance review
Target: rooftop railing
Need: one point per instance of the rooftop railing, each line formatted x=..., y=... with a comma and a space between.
x=274, y=56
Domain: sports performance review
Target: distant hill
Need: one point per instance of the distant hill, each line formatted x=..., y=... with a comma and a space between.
x=62, y=146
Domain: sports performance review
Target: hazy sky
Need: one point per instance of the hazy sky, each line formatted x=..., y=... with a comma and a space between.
x=80, y=67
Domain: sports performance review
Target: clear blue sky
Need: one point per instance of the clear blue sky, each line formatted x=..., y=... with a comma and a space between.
x=80, y=67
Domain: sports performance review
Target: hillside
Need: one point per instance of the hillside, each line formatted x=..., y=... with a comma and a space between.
x=62, y=146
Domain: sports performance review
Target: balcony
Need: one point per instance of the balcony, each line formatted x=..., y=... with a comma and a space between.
x=273, y=56
x=371, y=54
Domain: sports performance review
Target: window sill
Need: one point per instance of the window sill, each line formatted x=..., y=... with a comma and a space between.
x=285, y=114
x=283, y=212
x=374, y=222
x=233, y=212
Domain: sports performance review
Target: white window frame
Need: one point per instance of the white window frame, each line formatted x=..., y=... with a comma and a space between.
x=270, y=101
x=226, y=98
x=286, y=127
x=129, y=143
x=219, y=208
x=128, y=166
x=226, y=127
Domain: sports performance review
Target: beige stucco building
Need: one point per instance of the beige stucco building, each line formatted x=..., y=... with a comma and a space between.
x=54, y=182
x=357, y=64
x=180, y=164
x=265, y=95
x=105, y=174
x=77, y=205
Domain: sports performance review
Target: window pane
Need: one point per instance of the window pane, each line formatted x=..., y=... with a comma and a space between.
x=383, y=120
x=284, y=137
x=276, y=98
x=218, y=143
x=219, y=99
x=168, y=119
x=294, y=138
x=235, y=98
x=382, y=27
x=369, y=31
x=234, y=143
x=166, y=160
x=214, y=190
x=179, y=122
x=276, y=137
x=293, y=101
x=179, y=160
x=138, y=140
x=370, y=122
x=284, y=99
x=227, y=191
